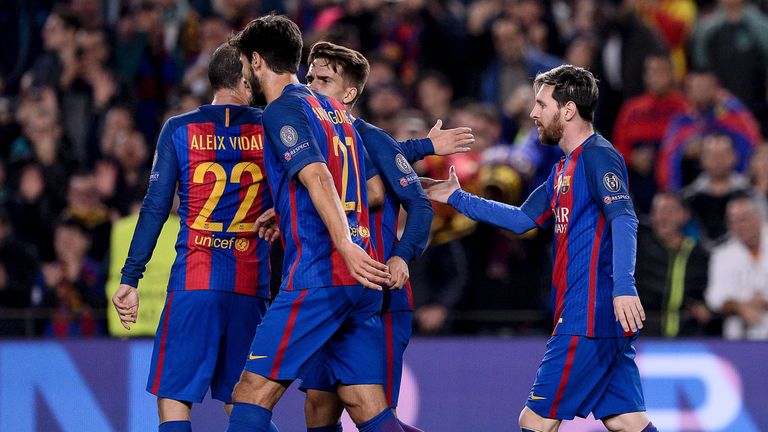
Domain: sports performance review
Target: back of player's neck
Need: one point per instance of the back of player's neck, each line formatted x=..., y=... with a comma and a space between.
x=276, y=83
x=223, y=97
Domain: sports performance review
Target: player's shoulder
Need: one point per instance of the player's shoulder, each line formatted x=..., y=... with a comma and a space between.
x=364, y=128
x=194, y=116
x=599, y=150
x=293, y=96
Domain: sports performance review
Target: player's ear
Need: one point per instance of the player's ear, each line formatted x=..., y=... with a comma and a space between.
x=256, y=60
x=350, y=95
x=570, y=110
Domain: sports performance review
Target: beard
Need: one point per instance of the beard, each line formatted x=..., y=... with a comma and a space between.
x=553, y=133
x=257, y=95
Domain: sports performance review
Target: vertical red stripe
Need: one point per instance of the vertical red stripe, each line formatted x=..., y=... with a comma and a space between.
x=246, y=252
x=294, y=233
x=378, y=220
x=563, y=200
x=390, y=355
x=561, y=254
x=274, y=374
x=564, y=378
x=198, y=259
x=339, y=272
x=161, y=354
x=591, y=306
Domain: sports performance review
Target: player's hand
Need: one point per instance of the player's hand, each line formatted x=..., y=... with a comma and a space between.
x=267, y=227
x=398, y=268
x=449, y=141
x=126, y=301
x=366, y=270
x=629, y=312
x=440, y=190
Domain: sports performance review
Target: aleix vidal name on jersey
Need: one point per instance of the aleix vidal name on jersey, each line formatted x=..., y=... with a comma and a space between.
x=218, y=142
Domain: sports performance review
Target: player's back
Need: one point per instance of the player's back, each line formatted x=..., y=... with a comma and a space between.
x=221, y=190
x=302, y=127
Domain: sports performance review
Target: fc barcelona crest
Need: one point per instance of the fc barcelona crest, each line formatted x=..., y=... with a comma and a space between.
x=565, y=184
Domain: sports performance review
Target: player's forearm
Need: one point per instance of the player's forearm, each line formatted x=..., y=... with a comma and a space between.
x=417, y=149
x=491, y=212
x=416, y=234
x=319, y=182
x=151, y=221
x=624, y=236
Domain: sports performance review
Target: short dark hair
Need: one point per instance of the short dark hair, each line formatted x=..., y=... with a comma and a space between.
x=225, y=70
x=572, y=84
x=68, y=221
x=275, y=38
x=354, y=66
x=68, y=17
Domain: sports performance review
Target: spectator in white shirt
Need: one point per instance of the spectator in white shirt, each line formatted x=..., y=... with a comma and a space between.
x=738, y=278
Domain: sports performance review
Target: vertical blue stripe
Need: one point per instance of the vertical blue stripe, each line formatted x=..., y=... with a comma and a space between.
x=179, y=274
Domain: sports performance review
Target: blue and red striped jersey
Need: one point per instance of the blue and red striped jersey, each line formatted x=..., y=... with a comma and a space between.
x=216, y=156
x=584, y=192
x=301, y=128
x=402, y=187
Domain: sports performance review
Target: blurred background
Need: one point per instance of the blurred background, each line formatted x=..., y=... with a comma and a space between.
x=85, y=86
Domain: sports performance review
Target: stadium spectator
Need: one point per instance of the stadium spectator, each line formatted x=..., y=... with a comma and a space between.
x=434, y=94
x=625, y=42
x=733, y=43
x=674, y=21
x=641, y=124
x=671, y=272
x=85, y=207
x=74, y=284
x=440, y=278
x=33, y=211
x=718, y=183
x=18, y=270
x=758, y=177
x=57, y=66
x=711, y=110
x=738, y=275
x=516, y=62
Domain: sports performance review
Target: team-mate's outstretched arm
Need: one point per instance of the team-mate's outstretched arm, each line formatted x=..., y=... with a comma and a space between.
x=479, y=209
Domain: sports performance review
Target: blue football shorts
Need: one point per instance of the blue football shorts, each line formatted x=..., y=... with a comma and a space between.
x=202, y=341
x=579, y=375
x=339, y=325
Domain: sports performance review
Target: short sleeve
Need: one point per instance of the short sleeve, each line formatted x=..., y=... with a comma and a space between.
x=606, y=175
x=289, y=134
x=538, y=206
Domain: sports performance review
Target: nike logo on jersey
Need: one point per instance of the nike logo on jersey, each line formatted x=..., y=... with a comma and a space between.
x=534, y=397
x=255, y=357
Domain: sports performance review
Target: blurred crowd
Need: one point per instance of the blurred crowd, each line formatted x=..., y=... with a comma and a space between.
x=85, y=86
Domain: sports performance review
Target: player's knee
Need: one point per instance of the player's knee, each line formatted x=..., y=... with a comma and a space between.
x=363, y=402
x=629, y=422
x=322, y=408
x=257, y=390
x=529, y=421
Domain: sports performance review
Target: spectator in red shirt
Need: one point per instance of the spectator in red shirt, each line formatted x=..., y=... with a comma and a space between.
x=641, y=124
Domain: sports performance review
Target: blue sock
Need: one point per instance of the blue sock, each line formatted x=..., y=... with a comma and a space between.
x=247, y=417
x=384, y=422
x=650, y=428
x=409, y=428
x=175, y=426
x=333, y=428
x=273, y=427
